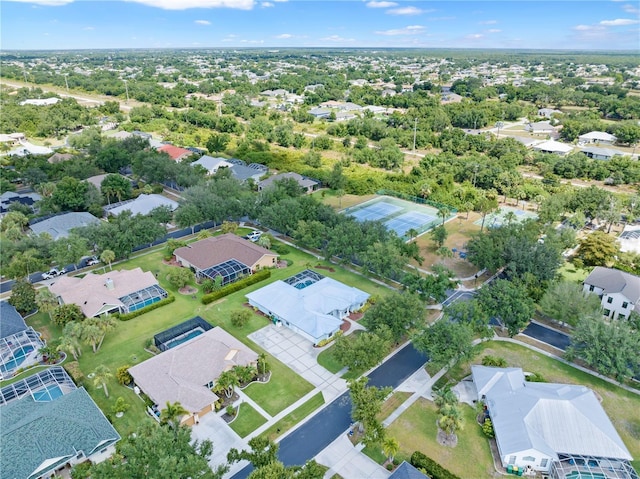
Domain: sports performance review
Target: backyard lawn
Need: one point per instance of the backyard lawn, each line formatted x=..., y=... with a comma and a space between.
x=247, y=421
x=294, y=417
x=416, y=430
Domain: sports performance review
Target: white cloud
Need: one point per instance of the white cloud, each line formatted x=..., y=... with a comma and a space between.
x=88, y=28
x=186, y=4
x=407, y=11
x=337, y=38
x=618, y=22
x=409, y=30
x=474, y=36
x=202, y=22
x=494, y=30
x=630, y=8
x=48, y=3
x=253, y=42
x=583, y=28
x=381, y=4
x=488, y=22
x=283, y=36
x=267, y=4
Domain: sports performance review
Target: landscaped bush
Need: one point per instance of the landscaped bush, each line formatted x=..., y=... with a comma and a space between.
x=324, y=342
x=73, y=368
x=146, y=309
x=280, y=248
x=430, y=467
x=487, y=429
x=123, y=376
x=237, y=286
x=495, y=361
x=535, y=378
x=240, y=317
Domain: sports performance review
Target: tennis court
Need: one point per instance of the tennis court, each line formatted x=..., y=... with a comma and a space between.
x=398, y=215
x=505, y=215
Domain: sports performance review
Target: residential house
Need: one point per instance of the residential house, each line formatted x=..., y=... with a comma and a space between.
x=320, y=112
x=119, y=291
x=142, y=205
x=307, y=184
x=598, y=153
x=597, y=137
x=25, y=148
x=188, y=372
x=309, y=304
x=227, y=255
x=541, y=128
x=559, y=430
x=60, y=226
x=12, y=139
x=175, y=152
x=212, y=164
x=59, y=157
x=548, y=112
x=629, y=239
x=243, y=172
x=407, y=471
x=554, y=147
x=49, y=425
x=19, y=344
x=619, y=291
x=26, y=199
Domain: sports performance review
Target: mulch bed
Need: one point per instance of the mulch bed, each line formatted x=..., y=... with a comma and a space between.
x=344, y=327
x=282, y=264
x=356, y=316
x=328, y=268
x=188, y=290
x=171, y=262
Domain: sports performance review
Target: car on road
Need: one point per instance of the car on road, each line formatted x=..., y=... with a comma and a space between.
x=254, y=236
x=53, y=273
x=92, y=261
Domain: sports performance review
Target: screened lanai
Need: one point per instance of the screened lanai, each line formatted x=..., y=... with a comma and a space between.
x=41, y=386
x=229, y=271
x=143, y=297
x=18, y=351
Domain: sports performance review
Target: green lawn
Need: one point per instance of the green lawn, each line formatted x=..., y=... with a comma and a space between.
x=248, y=420
x=621, y=406
x=416, y=430
x=393, y=403
x=328, y=360
x=570, y=273
x=293, y=418
x=283, y=389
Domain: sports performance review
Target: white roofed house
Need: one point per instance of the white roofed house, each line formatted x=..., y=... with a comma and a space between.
x=554, y=147
x=597, y=137
x=142, y=205
x=541, y=128
x=560, y=430
x=619, y=291
x=212, y=164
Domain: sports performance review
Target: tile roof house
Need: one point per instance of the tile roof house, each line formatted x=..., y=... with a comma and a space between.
x=186, y=373
x=120, y=291
x=142, y=205
x=307, y=184
x=48, y=424
x=61, y=225
x=550, y=428
x=619, y=291
x=175, y=152
x=315, y=312
x=205, y=256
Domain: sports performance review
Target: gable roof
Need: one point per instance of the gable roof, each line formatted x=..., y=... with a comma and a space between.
x=212, y=164
x=142, y=205
x=182, y=373
x=10, y=320
x=615, y=281
x=92, y=294
x=599, y=151
x=303, y=181
x=214, y=250
x=175, y=152
x=407, y=471
x=551, y=418
x=9, y=197
x=243, y=172
x=553, y=147
x=597, y=136
x=61, y=225
x=309, y=309
x=35, y=435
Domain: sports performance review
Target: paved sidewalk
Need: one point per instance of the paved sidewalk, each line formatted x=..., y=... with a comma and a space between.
x=254, y=405
x=343, y=458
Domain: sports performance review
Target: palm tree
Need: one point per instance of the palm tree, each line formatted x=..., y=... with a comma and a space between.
x=444, y=396
x=107, y=256
x=101, y=375
x=450, y=420
x=412, y=234
x=70, y=345
x=228, y=381
x=510, y=218
x=46, y=301
x=106, y=324
x=262, y=363
x=390, y=447
x=172, y=414
x=467, y=206
x=444, y=213
x=444, y=252
x=49, y=351
x=202, y=234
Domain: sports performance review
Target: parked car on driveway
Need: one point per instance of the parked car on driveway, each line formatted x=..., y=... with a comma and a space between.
x=92, y=261
x=254, y=236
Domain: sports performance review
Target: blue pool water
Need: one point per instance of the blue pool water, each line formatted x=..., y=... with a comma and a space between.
x=183, y=339
x=18, y=358
x=142, y=304
x=304, y=284
x=49, y=393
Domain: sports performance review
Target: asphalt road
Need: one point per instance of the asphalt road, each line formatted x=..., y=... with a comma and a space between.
x=547, y=335
x=323, y=428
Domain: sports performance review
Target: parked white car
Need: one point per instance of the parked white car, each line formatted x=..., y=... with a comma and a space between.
x=92, y=261
x=254, y=236
x=53, y=273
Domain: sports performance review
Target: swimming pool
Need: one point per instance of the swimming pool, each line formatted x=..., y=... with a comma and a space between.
x=48, y=393
x=304, y=284
x=19, y=355
x=183, y=338
x=142, y=304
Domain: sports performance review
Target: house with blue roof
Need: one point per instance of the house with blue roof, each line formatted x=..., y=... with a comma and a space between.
x=49, y=425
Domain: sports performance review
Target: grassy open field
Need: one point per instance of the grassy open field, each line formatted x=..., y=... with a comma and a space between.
x=294, y=417
x=247, y=421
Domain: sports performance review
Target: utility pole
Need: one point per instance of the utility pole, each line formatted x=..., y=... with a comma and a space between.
x=126, y=88
x=475, y=173
x=415, y=129
x=66, y=82
x=24, y=72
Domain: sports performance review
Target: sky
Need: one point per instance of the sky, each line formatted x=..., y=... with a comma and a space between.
x=515, y=24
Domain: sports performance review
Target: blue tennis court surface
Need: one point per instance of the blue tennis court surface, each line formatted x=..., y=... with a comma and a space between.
x=375, y=211
x=411, y=220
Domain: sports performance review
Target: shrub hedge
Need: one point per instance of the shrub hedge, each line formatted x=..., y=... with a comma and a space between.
x=127, y=316
x=431, y=467
x=237, y=286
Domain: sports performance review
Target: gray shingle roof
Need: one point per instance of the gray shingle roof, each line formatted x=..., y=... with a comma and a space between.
x=615, y=281
x=10, y=320
x=34, y=432
x=303, y=181
x=407, y=471
x=143, y=205
x=60, y=226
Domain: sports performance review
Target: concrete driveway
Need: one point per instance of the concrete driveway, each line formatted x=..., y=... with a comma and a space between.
x=215, y=429
x=299, y=354
x=343, y=458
